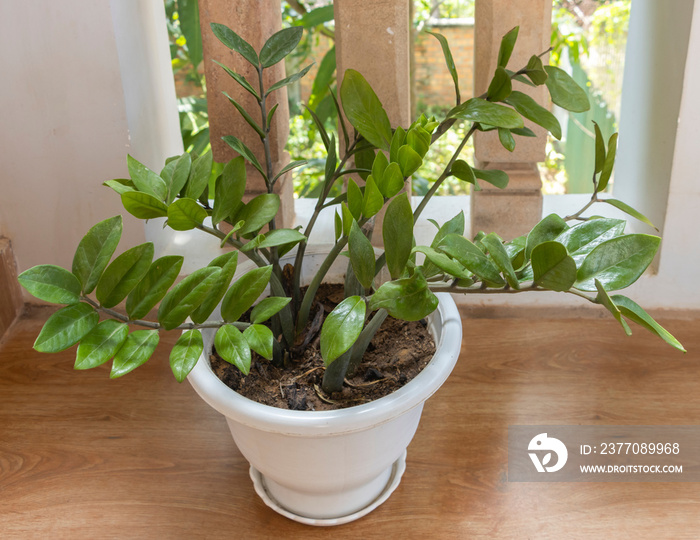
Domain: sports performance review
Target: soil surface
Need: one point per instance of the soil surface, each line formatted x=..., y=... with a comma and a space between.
x=398, y=352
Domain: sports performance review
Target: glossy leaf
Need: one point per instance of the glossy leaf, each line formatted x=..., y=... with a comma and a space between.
x=120, y=185
x=341, y=328
x=101, y=344
x=199, y=176
x=392, y=181
x=137, y=349
x=635, y=313
x=533, y=111
x=354, y=199
x=66, y=327
x=51, y=283
x=160, y=276
x=185, y=353
x=233, y=41
x=397, y=232
x=228, y=263
x=258, y=212
x=500, y=257
x=454, y=225
x=233, y=347
x=603, y=298
x=408, y=299
x=234, y=230
x=564, y=90
x=471, y=257
x=267, y=307
x=599, y=149
x=290, y=166
x=229, y=189
x=338, y=223
x=506, y=139
x=618, y=262
x=246, y=152
x=361, y=256
x=347, y=218
x=580, y=239
x=143, y=205
x=240, y=79
x=609, y=164
x=95, y=250
x=373, y=200
x=552, y=266
x=277, y=237
x=185, y=214
x=146, y=180
x=485, y=112
x=317, y=16
x=289, y=80
x=186, y=296
x=449, y=61
x=547, y=229
x=244, y=292
x=627, y=209
x=409, y=160
x=535, y=71
x=123, y=274
x=397, y=141
x=260, y=339
x=500, y=86
x=181, y=174
x=364, y=110
x=443, y=262
x=507, y=45
x=280, y=45
x=246, y=116
x=494, y=177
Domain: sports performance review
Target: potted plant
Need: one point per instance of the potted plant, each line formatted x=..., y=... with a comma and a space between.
x=328, y=467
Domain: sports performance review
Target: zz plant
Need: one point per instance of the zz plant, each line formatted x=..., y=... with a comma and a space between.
x=587, y=257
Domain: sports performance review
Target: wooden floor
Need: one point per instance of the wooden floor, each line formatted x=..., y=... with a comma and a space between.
x=84, y=457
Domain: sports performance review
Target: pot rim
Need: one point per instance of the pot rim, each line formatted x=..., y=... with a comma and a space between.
x=356, y=418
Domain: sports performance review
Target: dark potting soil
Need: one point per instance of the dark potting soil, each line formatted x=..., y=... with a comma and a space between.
x=398, y=352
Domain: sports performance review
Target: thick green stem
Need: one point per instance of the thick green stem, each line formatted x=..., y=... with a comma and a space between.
x=368, y=332
x=334, y=375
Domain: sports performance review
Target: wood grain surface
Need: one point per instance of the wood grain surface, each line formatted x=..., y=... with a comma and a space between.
x=85, y=457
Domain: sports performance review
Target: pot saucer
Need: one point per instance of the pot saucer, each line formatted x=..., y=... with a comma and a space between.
x=397, y=471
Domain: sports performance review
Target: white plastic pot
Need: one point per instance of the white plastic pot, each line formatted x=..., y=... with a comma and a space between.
x=331, y=467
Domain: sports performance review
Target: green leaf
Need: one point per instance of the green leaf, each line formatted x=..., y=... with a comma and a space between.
x=580, y=239
x=249, y=119
x=533, y=111
x=599, y=149
x=408, y=299
x=564, y=90
x=322, y=131
x=471, y=257
x=277, y=237
x=392, y=180
x=120, y=185
x=244, y=292
x=618, y=262
x=373, y=200
x=160, y=276
x=101, y=344
x=240, y=79
x=338, y=226
x=500, y=256
x=354, y=199
x=186, y=296
x=347, y=218
x=289, y=80
x=243, y=150
x=506, y=139
x=552, y=266
x=409, y=160
x=229, y=189
x=146, y=180
x=494, y=177
x=188, y=11
x=485, y=112
x=289, y=167
x=500, y=86
x=228, y=263
x=186, y=353
x=547, y=229
x=199, y=176
x=449, y=61
x=535, y=70
x=524, y=132
x=317, y=16
x=233, y=41
x=258, y=212
x=364, y=110
x=443, y=262
x=136, y=351
x=397, y=141
x=280, y=45
x=604, y=299
x=66, y=327
x=185, y=214
x=233, y=347
x=397, y=232
x=361, y=256
x=609, y=164
x=452, y=226
x=627, y=209
x=267, y=307
x=234, y=230
x=635, y=313
x=123, y=274
x=331, y=161
x=260, y=339
x=143, y=205
x=507, y=45
x=181, y=172
x=51, y=283
x=419, y=140
x=95, y=250
x=341, y=328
